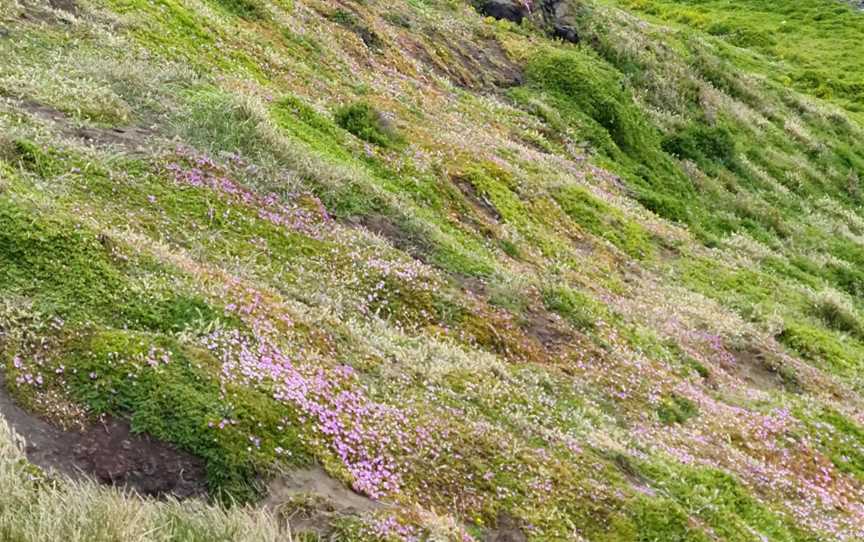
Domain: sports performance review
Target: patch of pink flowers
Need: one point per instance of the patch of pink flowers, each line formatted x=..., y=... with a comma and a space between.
x=390, y=528
x=201, y=171
x=362, y=433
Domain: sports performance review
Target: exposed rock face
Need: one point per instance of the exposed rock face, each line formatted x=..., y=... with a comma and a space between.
x=560, y=17
x=557, y=16
x=566, y=33
x=511, y=10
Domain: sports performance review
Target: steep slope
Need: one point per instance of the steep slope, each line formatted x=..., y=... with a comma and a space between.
x=504, y=286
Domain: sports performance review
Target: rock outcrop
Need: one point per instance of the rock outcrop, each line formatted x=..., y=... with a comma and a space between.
x=558, y=17
x=510, y=10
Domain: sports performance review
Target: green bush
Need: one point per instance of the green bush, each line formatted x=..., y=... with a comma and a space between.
x=585, y=86
x=837, y=312
x=703, y=144
x=604, y=221
x=577, y=308
x=676, y=410
x=367, y=123
x=592, y=97
x=246, y=9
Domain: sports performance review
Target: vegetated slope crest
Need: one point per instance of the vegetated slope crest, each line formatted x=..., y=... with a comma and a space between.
x=577, y=270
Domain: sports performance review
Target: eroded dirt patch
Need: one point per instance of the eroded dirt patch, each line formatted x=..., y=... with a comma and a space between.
x=506, y=530
x=69, y=6
x=465, y=64
x=473, y=285
x=479, y=201
x=108, y=452
x=398, y=236
x=761, y=370
x=544, y=327
x=130, y=138
x=38, y=12
x=311, y=500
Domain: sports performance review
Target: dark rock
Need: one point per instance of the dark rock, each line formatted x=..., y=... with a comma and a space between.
x=68, y=6
x=566, y=33
x=561, y=18
x=4, y=32
x=510, y=10
x=507, y=530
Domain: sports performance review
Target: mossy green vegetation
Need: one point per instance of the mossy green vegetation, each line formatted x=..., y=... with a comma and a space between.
x=365, y=122
x=509, y=285
x=579, y=309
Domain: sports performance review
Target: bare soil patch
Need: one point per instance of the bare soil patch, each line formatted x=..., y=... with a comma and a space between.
x=546, y=329
x=759, y=369
x=473, y=285
x=311, y=500
x=477, y=200
x=69, y=6
x=465, y=64
x=130, y=138
x=108, y=452
x=402, y=239
x=33, y=11
x=506, y=530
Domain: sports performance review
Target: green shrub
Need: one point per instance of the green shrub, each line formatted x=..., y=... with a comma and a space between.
x=591, y=96
x=367, y=123
x=246, y=9
x=576, y=307
x=604, y=221
x=676, y=410
x=826, y=348
x=837, y=312
x=585, y=86
x=703, y=144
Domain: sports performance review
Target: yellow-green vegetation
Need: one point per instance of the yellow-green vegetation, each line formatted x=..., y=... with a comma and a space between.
x=35, y=506
x=489, y=284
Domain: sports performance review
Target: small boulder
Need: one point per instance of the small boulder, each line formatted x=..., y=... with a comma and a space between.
x=561, y=17
x=510, y=10
x=566, y=33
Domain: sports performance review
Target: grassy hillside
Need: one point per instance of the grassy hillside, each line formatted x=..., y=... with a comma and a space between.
x=504, y=287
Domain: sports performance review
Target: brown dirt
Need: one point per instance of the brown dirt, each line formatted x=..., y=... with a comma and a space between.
x=507, y=530
x=755, y=367
x=35, y=12
x=465, y=64
x=311, y=500
x=639, y=482
x=473, y=285
x=546, y=329
x=108, y=452
x=387, y=228
x=481, y=203
x=129, y=138
x=69, y=6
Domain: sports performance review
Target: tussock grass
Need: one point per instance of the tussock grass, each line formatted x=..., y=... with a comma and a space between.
x=35, y=506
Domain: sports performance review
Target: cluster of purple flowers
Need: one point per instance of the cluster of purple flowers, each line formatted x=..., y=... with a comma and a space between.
x=362, y=433
x=201, y=171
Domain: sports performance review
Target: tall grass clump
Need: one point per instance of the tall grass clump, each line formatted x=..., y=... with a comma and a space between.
x=837, y=312
x=35, y=506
